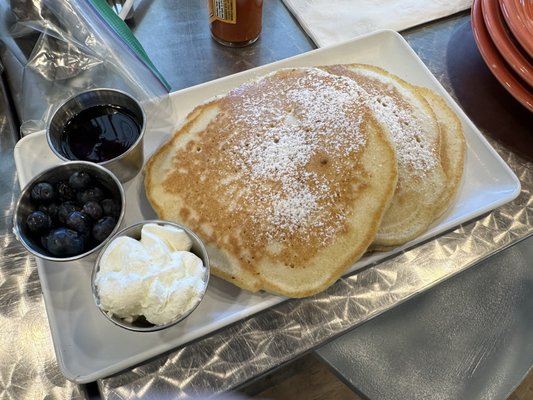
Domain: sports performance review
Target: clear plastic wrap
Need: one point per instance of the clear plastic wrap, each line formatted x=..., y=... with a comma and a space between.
x=57, y=48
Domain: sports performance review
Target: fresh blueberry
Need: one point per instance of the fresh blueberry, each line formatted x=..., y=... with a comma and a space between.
x=43, y=192
x=64, y=242
x=93, y=209
x=110, y=207
x=91, y=194
x=65, y=209
x=65, y=191
x=39, y=222
x=79, y=222
x=50, y=209
x=103, y=228
x=80, y=180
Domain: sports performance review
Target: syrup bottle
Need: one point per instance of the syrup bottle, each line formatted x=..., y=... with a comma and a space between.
x=235, y=23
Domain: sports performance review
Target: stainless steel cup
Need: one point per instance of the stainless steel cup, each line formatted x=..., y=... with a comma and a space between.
x=134, y=231
x=54, y=175
x=125, y=166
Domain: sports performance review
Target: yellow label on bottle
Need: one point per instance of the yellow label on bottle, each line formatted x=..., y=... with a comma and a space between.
x=223, y=10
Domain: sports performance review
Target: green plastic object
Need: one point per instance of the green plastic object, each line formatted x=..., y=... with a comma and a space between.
x=125, y=34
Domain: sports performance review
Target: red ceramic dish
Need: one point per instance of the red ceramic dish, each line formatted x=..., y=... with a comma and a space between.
x=519, y=17
x=505, y=42
x=495, y=61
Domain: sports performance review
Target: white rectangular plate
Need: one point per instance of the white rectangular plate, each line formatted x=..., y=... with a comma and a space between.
x=89, y=347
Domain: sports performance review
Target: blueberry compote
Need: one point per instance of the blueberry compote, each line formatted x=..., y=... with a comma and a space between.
x=100, y=133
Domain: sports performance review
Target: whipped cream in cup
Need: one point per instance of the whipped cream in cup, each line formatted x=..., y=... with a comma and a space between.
x=150, y=275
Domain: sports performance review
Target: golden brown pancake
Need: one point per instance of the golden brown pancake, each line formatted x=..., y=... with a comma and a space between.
x=415, y=132
x=285, y=178
x=452, y=149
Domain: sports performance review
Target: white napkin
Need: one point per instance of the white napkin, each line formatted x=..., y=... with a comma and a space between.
x=332, y=21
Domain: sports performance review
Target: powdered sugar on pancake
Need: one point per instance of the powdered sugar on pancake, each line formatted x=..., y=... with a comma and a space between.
x=280, y=144
x=406, y=134
x=413, y=148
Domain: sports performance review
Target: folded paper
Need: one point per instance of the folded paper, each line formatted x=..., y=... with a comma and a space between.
x=328, y=22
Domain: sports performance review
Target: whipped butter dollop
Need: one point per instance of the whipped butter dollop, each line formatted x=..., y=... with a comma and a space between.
x=157, y=276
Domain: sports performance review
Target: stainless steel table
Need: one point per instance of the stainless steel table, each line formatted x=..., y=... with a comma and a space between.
x=176, y=37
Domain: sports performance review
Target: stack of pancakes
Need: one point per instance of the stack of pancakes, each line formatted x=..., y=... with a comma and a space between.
x=289, y=179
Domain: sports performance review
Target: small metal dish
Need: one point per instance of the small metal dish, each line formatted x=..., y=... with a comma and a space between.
x=54, y=175
x=140, y=324
x=126, y=165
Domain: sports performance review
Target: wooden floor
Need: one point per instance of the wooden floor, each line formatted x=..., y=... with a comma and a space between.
x=309, y=379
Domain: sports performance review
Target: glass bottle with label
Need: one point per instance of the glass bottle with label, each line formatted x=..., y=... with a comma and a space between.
x=235, y=23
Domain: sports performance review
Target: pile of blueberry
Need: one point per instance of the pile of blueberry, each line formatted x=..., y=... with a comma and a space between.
x=72, y=216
